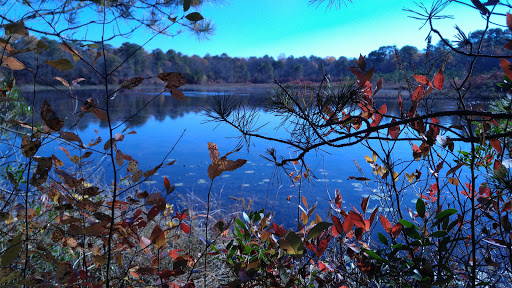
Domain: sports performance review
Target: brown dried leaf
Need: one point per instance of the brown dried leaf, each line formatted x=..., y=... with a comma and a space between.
x=133, y=166
x=50, y=117
x=119, y=158
x=16, y=28
x=101, y=114
x=214, y=152
x=157, y=237
x=65, y=274
x=132, y=83
x=28, y=147
x=173, y=79
x=137, y=175
x=64, y=82
x=75, y=54
x=61, y=64
x=12, y=63
x=76, y=81
x=177, y=94
x=152, y=172
x=44, y=165
x=72, y=137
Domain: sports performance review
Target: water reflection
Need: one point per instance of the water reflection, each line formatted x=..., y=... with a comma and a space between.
x=163, y=120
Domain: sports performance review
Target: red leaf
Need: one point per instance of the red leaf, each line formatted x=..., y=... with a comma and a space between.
x=372, y=217
x=394, y=131
x=310, y=246
x=496, y=144
x=322, y=246
x=337, y=224
x=338, y=199
x=416, y=152
x=439, y=80
x=167, y=183
x=358, y=74
x=434, y=128
x=357, y=220
x=422, y=79
x=364, y=204
x=396, y=229
x=379, y=86
x=174, y=253
x=401, y=105
x=152, y=213
x=509, y=21
x=347, y=223
x=418, y=94
x=185, y=228
x=378, y=117
x=505, y=65
x=385, y=223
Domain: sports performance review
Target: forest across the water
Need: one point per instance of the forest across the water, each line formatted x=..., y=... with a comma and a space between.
x=389, y=62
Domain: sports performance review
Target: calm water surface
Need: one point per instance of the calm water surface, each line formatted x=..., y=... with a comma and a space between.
x=159, y=125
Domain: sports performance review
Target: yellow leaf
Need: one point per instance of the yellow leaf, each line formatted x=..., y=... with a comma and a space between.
x=395, y=176
x=410, y=177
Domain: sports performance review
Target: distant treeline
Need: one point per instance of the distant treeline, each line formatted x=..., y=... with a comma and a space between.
x=389, y=63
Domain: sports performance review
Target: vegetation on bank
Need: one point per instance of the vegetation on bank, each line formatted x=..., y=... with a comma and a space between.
x=61, y=228
x=390, y=63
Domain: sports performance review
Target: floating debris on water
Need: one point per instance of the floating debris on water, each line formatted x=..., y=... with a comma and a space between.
x=201, y=181
x=178, y=184
x=357, y=186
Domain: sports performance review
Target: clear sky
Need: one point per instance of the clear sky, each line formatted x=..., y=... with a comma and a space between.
x=247, y=28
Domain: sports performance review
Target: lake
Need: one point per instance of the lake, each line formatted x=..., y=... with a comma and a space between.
x=161, y=123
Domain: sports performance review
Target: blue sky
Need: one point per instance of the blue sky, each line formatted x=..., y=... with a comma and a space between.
x=247, y=28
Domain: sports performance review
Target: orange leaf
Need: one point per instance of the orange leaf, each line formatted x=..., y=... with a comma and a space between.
x=496, y=144
x=394, y=131
x=418, y=94
x=439, y=80
x=385, y=223
x=422, y=79
x=505, y=65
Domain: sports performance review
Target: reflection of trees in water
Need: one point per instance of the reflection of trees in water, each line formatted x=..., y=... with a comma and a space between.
x=127, y=103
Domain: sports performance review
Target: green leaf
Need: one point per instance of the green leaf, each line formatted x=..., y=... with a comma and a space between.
x=12, y=252
x=61, y=64
x=186, y=5
x=194, y=16
x=383, y=239
x=445, y=213
x=439, y=234
x=318, y=229
x=292, y=244
x=420, y=208
x=373, y=254
x=406, y=223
